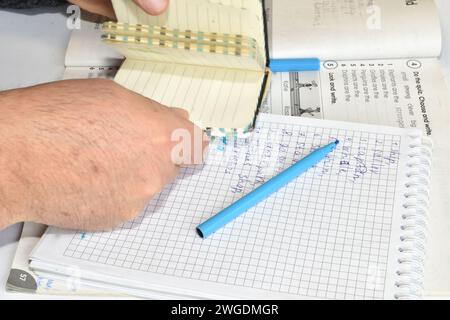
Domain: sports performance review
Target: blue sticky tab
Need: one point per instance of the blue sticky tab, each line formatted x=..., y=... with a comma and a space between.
x=293, y=65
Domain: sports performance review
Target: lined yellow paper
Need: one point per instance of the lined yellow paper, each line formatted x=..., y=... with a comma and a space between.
x=205, y=56
x=212, y=96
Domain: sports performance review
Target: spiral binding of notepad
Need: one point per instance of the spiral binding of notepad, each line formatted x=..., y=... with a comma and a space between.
x=411, y=262
x=155, y=36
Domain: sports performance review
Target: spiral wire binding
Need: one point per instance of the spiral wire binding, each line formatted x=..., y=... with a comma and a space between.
x=411, y=261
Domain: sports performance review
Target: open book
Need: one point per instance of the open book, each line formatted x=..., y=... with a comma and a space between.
x=351, y=227
x=206, y=56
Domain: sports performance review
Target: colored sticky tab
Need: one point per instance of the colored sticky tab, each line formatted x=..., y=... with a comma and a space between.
x=292, y=65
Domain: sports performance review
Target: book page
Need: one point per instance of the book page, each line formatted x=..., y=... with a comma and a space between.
x=294, y=94
x=399, y=93
x=332, y=233
x=404, y=93
x=354, y=29
x=214, y=97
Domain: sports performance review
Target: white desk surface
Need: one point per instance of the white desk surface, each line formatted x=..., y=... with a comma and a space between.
x=39, y=57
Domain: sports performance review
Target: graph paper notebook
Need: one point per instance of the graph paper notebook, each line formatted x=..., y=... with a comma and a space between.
x=353, y=227
x=201, y=55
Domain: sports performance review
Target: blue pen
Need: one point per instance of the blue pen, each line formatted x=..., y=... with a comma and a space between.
x=293, y=65
x=262, y=192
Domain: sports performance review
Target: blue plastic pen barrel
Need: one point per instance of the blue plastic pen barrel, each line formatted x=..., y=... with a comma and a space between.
x=292, y=65
x=262, y=192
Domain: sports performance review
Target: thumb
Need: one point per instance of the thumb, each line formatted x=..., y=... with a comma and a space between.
x=153, y=7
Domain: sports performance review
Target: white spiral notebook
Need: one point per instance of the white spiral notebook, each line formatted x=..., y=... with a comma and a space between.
x=352, y=227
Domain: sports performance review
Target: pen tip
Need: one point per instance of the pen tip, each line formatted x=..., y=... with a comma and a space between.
x=336, y=142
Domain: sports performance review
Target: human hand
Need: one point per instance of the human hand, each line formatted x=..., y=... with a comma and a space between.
x=105, y=8
x=85, y=154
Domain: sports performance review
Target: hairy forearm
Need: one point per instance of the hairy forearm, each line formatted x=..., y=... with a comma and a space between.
x=44, y=139
x=14, y=201
x=83, y=154
x=40, y=137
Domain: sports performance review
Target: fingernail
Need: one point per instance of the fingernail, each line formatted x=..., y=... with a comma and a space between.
x=153, y=7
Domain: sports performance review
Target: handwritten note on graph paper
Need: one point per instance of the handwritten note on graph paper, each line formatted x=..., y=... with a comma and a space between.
x=326, y=234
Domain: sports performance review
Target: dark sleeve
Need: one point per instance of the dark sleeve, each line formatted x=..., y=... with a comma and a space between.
x=24, y=4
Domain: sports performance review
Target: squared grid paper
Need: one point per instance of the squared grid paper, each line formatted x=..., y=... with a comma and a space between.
x=325, y=235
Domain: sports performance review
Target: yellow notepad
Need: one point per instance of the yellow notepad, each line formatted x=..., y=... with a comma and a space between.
x=208, y=57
